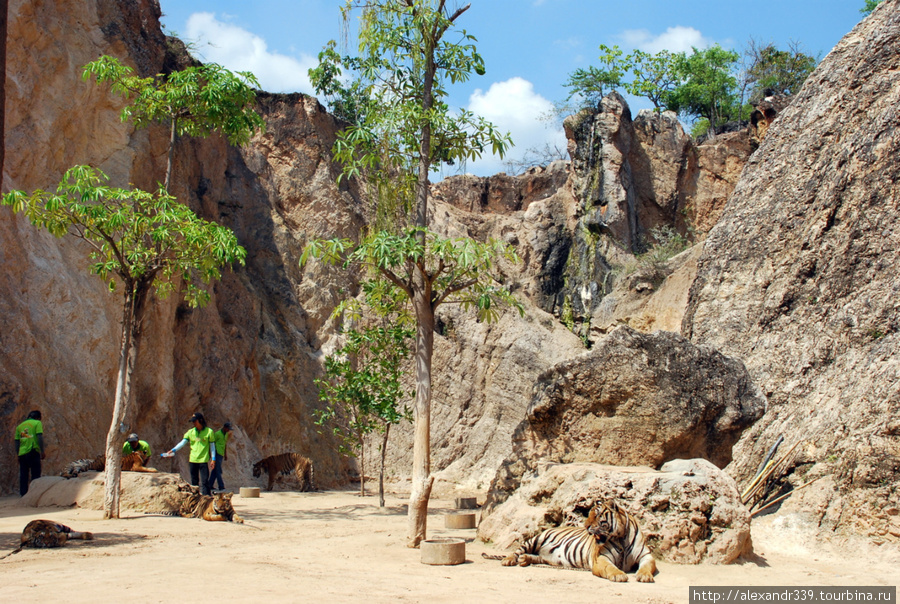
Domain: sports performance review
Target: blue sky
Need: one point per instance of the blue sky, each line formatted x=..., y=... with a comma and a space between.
x=529, y=46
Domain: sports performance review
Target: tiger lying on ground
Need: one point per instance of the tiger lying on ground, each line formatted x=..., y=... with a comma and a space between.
x=133, y=462
x=44, y=533
x=286, y=463
x=610, y=544
x=209, y=507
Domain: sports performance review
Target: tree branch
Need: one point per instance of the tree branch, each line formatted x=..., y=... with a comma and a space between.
x=453, y=290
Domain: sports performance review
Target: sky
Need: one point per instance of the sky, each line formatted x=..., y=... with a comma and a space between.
x=529, y=46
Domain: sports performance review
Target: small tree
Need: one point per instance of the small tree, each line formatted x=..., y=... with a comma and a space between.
x=362, y=387
x=772, y=70
x=708, y=85
x=408, y=130
x=654, y=77
x=139, y=242
x=593, y=83
x=195, y=101
x=869, y=6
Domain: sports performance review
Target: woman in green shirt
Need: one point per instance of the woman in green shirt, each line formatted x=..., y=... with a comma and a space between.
x=203, y=452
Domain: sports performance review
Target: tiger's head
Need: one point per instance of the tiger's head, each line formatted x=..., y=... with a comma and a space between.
x=606, y=522
x=222, y=503
x=257, y=469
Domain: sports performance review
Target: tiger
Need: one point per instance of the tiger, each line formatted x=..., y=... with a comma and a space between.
x=609, y=544
x=214, y=508
x=133, y=462
x=286, y=463
x=84, y=465
x=45, y=533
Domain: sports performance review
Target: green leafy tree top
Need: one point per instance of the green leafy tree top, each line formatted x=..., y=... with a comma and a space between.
x=654, y=76
x=708, y=85
x=195, y=101
x=592, y=84
x=778, y=71
x=146, y=240
x=869, y=6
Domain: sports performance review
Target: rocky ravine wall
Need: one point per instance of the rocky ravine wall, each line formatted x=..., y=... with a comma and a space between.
x=800, y=279
x=251, y=355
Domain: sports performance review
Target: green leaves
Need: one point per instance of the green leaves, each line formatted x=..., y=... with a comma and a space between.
x=133, y=235
x=200, y=100
x=455, y=270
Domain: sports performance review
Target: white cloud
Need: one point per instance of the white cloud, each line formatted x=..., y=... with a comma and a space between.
x=674, y=39
x=239, y=50
x=514, y=106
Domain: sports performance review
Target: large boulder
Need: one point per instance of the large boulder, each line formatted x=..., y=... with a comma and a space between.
x=800, y=279
x=689, y=510
x=149, y=493
x=635, y=399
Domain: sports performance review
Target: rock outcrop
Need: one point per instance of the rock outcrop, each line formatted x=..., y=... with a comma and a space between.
x=800, y=279
x=634, y=399
x=689, y=510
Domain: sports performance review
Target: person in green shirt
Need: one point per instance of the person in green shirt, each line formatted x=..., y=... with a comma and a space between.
x=221, y=438
x=135, y=444
x=30, y=449
x=203, y=452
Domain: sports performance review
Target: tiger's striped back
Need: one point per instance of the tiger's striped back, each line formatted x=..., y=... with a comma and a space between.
x=285, y=464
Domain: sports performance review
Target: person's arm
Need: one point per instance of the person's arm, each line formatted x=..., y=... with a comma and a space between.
x=178, y=446
x=40, y=442
x=17, y=445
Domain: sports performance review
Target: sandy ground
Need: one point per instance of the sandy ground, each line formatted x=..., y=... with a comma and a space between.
x=335, y=546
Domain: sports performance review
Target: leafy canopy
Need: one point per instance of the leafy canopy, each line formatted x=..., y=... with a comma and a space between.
x=773, y=70
x=362, y=387
x=196, y=100
x=133, y=234
x=455, y=270
x=708, y=84
x=399, y=90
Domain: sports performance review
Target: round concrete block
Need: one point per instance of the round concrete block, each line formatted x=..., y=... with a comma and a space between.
x=446, y=551
x=249, y=491
x=466, y=503
x=460, y=520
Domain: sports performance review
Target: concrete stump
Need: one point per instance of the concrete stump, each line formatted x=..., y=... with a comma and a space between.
x=443, y=552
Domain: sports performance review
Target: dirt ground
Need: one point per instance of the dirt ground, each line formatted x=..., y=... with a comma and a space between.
x=335, y=546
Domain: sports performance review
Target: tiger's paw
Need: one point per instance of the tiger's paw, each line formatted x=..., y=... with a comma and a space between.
x=510, y=560
x=619, y=577
x=240, y=520
x=644, y=577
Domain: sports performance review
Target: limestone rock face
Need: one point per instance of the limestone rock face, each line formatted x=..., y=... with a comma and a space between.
x=634, y=399
x=800, y=279
x=251, y=355
x=501, y=193
x=689, y=510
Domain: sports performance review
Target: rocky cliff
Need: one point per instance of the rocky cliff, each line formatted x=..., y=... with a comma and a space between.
x=251, y=355
x=800, y=279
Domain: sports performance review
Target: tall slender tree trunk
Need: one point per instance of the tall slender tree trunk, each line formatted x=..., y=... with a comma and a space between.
x=422, y=480
x=170, y=159
x=132, y=318
x=123, y=391
x=362, y=465
x=384, y=442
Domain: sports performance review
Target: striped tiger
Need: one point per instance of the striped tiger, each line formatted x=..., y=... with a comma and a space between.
x=46, y=533
x=133, y=462
x=284, y=464
x=84, y=465
x=214, y=508
x=609, y=544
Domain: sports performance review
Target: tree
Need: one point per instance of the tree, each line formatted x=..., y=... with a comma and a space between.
x=593, y=83
x=195, y=101
x=362, y=386
x=653, y=76
x=869, y=6
x=775, y=71
x=708, y=85
x=429, y=273
x=408, y=130
x=139, y=243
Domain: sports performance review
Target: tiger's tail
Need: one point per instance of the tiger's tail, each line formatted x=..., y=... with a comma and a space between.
x=487, y=556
